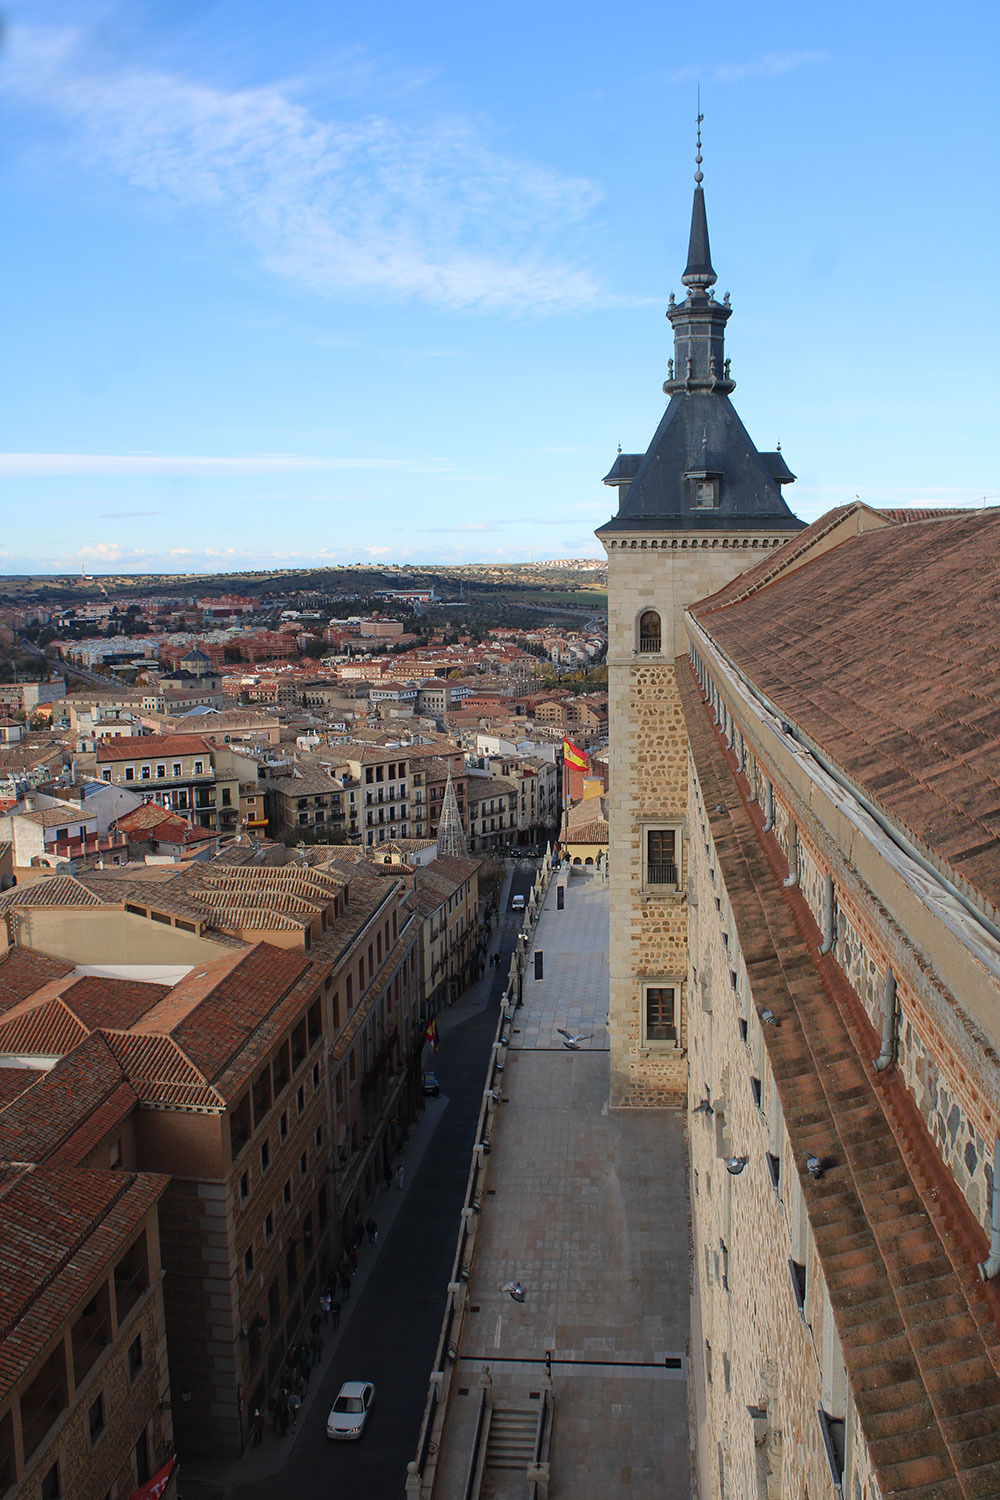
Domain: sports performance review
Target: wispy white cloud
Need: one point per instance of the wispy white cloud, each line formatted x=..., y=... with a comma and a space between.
x=770, y=65
x=366, y=204
x=27, y=465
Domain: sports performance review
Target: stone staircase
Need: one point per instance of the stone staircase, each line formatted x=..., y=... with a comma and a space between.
x=510, y=1449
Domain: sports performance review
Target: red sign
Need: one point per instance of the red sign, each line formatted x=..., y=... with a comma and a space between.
x=155, y=1487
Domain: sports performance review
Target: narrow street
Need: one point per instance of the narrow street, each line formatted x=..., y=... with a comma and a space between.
x=393, y=1329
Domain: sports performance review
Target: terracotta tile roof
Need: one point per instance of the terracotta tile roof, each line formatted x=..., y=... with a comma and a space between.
x=99, y=1124
x=57, y=890
x=593, y=832
x=147, y=746
x=478, y=788
x=895, y=1238
x=46, y=1029
x=235, y=999
x=453, y=867
x=159, y=1072
x=99, y=1000
x=59, y=1101
x=23, y=971
x=227, y=894
x=13, y=1082
x=62, y=1229
x=882, y=651
x=783, y=558
x=151, y=821
x=59, y=1015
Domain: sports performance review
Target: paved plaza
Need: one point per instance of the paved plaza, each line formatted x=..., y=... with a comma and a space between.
x=587, y=1210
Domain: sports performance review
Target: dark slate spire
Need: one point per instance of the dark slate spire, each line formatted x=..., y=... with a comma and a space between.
x=699, y=272
x=701, y=472
x=699, y=322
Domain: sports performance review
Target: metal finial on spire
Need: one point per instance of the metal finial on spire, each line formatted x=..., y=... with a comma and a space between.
x=699, y=175
x=699, y=274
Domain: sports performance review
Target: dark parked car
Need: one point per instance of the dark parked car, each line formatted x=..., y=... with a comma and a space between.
x=431, y=1084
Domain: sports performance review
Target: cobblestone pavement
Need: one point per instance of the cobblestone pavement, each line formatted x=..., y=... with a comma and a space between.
x=587, y=1209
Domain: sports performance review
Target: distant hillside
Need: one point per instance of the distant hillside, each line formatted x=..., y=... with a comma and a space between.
x=579, y=585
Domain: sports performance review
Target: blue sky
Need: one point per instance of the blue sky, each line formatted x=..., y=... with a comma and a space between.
x=328, y=283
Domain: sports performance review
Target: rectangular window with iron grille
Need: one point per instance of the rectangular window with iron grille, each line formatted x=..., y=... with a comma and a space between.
x=662, y=851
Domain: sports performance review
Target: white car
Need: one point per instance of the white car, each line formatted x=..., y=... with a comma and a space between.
x=517, y=903
x=349, y=1412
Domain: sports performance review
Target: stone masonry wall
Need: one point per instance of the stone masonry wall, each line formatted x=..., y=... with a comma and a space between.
x=939, y=1052
x=760, y=1361
x=648, y=785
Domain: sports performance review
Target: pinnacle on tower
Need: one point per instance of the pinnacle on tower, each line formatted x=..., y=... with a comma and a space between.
x=698, y=274
x=450, y=834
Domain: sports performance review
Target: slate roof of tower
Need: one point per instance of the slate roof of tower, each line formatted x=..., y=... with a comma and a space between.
x=659, y=498
x=700, y=432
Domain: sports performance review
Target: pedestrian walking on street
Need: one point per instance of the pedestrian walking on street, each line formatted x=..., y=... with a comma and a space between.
x=359, y=1232
x=314, y=1323
x=335, y=1312
x=372, y=1229
x=257, y=1427
x=324, y=1306
x=387, y=1175
x=400, y=1176
x=294, y=1402
x=355, y=1259
x=345, y=1286
x=317, y=1347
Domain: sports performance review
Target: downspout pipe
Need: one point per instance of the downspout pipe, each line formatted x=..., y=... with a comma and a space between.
x=888, y=1051
x=829, y=929
x=768, y=806
x=989, y=1267
x=792, y=878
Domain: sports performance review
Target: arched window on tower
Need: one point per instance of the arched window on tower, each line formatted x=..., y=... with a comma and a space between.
x=649, y=630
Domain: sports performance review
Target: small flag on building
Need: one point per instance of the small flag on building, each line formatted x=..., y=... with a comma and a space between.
x=155, y=1487
x=574, y=757
x=431, y=1033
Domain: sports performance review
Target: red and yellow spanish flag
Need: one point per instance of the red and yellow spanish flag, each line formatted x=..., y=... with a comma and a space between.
x=574, y=757
x=431, y=1033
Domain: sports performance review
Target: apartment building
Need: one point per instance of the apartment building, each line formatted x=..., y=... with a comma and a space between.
x=305, y=802
x=84, y=1381
x=391, y=800
x=492, y=810
x=445, y=894
x=184, y=772
x=272, y=1080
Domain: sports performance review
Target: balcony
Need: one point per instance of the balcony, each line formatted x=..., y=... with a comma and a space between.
x=661, y=873
x=91, y=1335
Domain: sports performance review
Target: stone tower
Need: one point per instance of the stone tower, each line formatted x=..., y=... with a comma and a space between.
x=700, y=506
